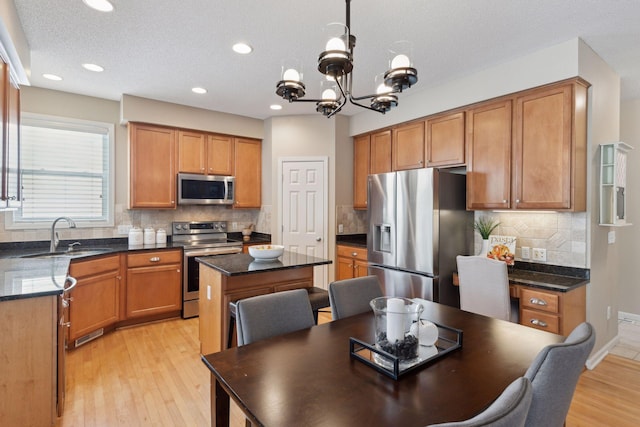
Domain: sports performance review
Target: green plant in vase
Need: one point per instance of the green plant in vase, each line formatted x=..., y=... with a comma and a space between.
x=485, y=226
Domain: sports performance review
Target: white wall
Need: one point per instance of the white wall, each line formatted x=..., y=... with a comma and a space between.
x=136, y=109
x=302, y=136
x=629, y=237
x=545, y=66
x=603, y=126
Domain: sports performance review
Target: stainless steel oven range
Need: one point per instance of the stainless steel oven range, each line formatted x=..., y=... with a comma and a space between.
x=199, y=238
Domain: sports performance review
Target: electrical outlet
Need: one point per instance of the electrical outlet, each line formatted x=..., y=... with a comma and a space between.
x=340, y=228
x=539, y=254
x=526, y=254
x=608, y=312
x=611, y=237
x=234, y=225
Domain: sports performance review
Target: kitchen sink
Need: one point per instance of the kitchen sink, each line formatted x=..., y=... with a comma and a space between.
x=69, y=254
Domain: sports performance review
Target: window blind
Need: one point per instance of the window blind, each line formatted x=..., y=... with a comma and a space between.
x=65, y=170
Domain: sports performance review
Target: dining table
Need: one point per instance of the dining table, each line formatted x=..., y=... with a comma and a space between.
x=309, y=377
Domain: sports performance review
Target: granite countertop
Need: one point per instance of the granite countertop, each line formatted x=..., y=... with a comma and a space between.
x=357, y=240
x=28, y=278
x=24, y=277
x=554, y=282
x=237, y=264
x=255, y=237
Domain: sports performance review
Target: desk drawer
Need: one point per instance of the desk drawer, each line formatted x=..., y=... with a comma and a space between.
x=538, y=300
x=352, y=252
x=539, y=320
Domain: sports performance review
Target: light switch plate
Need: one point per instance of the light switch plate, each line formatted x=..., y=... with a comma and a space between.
x=611, y=237
x=526, y=253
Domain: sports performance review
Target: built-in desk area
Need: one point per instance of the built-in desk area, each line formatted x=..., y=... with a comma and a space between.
x=552, y=298
x=227, y=278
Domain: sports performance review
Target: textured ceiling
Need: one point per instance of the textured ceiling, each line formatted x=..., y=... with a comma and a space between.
x=160, y=49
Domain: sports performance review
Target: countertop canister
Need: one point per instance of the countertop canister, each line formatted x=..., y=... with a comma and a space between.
x=161, y=236
x=135, y=236
x=149, y=236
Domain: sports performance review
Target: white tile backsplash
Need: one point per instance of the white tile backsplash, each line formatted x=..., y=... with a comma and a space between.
x=156, y=218
x=562, y=234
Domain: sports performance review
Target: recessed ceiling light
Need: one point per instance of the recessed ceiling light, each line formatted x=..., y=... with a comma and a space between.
x=199, y=90
x=276, y=107
x=242, y=48
x=93, y=67
x=100, y=5
x=52, y=77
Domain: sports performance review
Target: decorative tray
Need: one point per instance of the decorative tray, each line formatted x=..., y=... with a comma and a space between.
x=449, y=339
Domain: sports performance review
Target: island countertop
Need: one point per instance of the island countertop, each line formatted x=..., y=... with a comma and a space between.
x=238, y=264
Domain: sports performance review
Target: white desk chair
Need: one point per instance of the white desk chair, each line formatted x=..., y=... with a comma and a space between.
x=484, y=287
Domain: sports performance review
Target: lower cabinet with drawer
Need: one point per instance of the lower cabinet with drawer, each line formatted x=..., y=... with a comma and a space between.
x=552, y=311
x=94, y=301
x=153, y=284
x=351, y=262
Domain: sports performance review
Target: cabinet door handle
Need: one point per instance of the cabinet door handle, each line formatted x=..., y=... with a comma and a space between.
x=540, y=323
x=538, y=301
x=154, y=259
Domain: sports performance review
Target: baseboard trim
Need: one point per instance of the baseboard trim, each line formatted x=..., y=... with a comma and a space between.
x=599, y=355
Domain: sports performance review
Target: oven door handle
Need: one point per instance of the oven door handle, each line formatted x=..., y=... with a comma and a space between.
x=212, y=251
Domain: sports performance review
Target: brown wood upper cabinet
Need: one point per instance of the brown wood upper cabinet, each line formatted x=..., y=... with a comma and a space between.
x=445, y=139
x=206, y=154
x=220, y=155
x=550, y=148
x=153, y=152
x=248, y=173
x=528, y=151
x=407, y=145
x=380, y=155
x=489, y=156
x=361, y=160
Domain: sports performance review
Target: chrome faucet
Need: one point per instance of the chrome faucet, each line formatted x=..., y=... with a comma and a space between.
x=54, y=234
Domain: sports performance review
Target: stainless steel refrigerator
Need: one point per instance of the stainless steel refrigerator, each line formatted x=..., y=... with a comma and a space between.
x=418, y=223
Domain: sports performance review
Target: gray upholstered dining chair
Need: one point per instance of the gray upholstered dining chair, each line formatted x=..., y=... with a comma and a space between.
x=554, y=374
x=484, y=287
x=265, y=316
x=349, y=297
x=508, y=410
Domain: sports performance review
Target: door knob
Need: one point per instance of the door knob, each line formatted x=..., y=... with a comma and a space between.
x=318, y=239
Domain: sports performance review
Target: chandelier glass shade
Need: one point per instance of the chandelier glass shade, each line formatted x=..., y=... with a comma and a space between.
x=336, y=63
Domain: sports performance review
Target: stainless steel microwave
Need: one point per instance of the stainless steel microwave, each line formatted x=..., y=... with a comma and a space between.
x=196, y=189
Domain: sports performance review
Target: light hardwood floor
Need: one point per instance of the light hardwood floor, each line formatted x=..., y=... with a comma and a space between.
x=152, y=375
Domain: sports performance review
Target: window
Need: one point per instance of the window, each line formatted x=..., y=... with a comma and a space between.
x=66, y=170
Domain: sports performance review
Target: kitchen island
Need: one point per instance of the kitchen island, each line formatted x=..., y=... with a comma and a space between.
x=227, y=278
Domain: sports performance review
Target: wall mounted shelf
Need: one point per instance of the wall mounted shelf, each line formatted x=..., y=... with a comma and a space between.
x=613, y=183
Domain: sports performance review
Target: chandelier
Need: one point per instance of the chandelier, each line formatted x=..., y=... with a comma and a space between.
x=336, y=63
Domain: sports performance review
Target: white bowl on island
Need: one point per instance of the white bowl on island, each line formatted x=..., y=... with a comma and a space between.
x=266, y=252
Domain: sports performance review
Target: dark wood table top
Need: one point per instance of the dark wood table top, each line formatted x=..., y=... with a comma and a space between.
x=308, y=377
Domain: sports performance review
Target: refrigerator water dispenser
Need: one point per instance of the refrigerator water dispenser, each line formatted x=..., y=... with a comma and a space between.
x=382, y=238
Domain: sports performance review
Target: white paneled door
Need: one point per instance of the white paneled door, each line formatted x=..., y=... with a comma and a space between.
x=304, y=206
